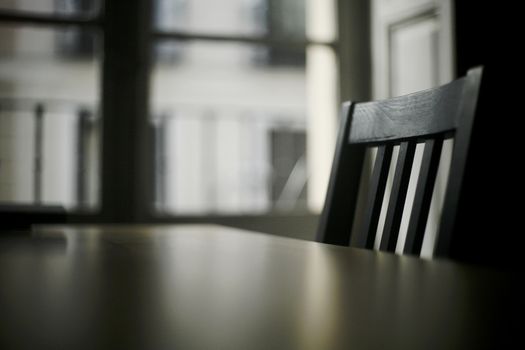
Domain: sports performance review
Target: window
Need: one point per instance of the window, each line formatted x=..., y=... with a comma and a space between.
x=230, y=113
x=51, y=8
x=209, y=108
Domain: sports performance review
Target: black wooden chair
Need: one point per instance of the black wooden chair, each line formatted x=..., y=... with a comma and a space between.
x=428, y=117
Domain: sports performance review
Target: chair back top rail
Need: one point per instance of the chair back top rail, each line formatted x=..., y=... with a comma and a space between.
x=427, y=112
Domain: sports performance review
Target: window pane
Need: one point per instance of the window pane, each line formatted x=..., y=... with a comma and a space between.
x=62, y=7
x=273, y=18
x=49, y=127
x=230, y=129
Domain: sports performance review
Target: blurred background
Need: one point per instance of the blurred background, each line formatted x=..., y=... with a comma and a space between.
x=200, y=110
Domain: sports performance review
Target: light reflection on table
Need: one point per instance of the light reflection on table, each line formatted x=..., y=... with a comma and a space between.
x=208, y=287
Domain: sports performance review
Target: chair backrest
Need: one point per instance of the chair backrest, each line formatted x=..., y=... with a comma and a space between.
x=428, y=117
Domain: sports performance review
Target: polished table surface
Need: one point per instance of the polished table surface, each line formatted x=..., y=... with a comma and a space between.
x=212, y=287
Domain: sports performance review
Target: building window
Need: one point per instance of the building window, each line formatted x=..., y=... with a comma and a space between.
x=49, y=103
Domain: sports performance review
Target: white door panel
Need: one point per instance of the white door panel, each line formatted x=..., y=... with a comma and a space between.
x=412, y=45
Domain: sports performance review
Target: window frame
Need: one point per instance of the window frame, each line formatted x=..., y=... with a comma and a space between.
x=126, y=30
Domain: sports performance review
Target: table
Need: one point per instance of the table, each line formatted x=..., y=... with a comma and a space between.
x=212, y=287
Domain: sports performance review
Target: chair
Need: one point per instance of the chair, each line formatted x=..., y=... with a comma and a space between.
x=429, y=116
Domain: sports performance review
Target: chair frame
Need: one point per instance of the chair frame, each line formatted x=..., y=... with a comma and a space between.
x=428, y=116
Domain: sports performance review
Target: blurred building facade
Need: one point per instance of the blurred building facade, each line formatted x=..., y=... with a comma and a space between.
x=228, y=118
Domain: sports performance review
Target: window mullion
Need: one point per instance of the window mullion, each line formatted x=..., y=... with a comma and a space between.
x=126, y=168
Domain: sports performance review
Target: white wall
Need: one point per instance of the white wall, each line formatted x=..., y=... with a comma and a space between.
x=322, y=98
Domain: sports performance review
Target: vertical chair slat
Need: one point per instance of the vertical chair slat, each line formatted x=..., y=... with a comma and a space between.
x=398, y=196
x=423, y=196
x=375, y=197
x=338, y=214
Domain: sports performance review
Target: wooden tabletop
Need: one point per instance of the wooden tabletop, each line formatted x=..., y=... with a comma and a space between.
x=212, y=287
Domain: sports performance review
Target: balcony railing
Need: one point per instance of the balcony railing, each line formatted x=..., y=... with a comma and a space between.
x=208, y=160
x=49, y=152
